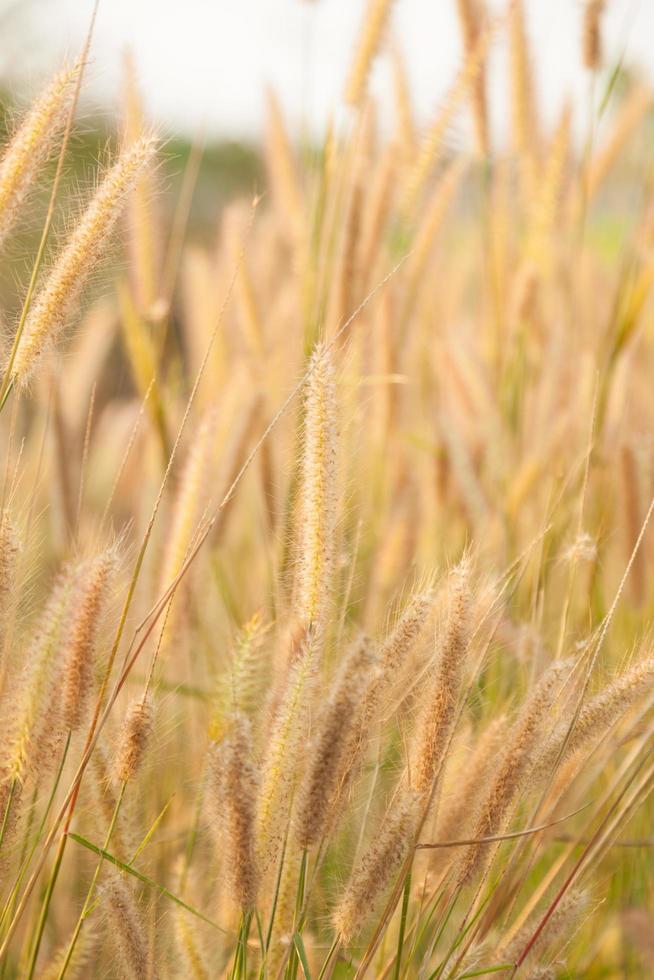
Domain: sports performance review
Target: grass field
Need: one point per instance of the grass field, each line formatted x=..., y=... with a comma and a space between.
x=325, y=548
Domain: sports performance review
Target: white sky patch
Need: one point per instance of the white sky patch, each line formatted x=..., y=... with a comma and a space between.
x=204, y=64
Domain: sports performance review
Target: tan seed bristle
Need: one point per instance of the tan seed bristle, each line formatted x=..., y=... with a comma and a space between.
x=562, y=922
x=524, y=121
x=394, y=652
x=234, y=785
x=77, y=676
x=23, y=738
x=134, y=739
x=596, y=715
x=31, y=146
x=240, y=688
x=331, y=753
x=436, y=723
x=9, y=550
x=633, y=107
x=542, y=973
x=456, y=815
x=281, y=938
x=144, y=235
x=190, y=498
x=513, y=766
x=129, y=933
x=284, y=178
x=78, y=258
x=283, y=758
x=318, y=492
x=376, y=868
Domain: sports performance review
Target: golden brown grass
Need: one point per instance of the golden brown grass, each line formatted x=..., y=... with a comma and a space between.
x=325, y=559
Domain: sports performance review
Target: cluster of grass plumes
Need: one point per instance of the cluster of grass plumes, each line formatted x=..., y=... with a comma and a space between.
x=325, y=559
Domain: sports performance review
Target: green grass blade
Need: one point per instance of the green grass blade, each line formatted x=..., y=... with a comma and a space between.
x=144, y=879
x=302, y=954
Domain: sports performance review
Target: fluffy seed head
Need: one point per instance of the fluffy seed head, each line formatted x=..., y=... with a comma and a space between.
x=241, y=686
x=332, y=751
x=456, y=815
x=380, y=862
x=77, y=677
x=318, y=493
x=283, y=759
x=22, y=743
x=134, y=739
x=562, y=922
x=78, y=258
x=79, y=963
x=9, y=551
x=597, y=715
x=436, y=722
x=394, y=652
x=234, y=786
x=31, y=145
x=515, y=763
x=129, y=932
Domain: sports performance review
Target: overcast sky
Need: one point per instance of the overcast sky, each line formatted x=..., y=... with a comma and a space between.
x=205, y=63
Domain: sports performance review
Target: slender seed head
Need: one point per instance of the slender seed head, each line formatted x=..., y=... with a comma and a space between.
x=436, y=723
x=31, y=145
x=283, y=760
x=513, y=766
x=240, y=688
x=318, y=493
x=22, y=741
x=394, y=652
x=9, y=552
x=561, y=923
x=456, y=814
x=331, y=753
x=376, y=868
x=129, y=932
x=77, y=677
x=79, y=964
x=78, y=258
x=234, y=784
x=134, y=739
x=596, y=716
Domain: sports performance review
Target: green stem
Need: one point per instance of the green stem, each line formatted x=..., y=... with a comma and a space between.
x=89, y=895
x=240, y=967
x=293, y=959
x=331, y=955
x=403, y=917
x=278, y=884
